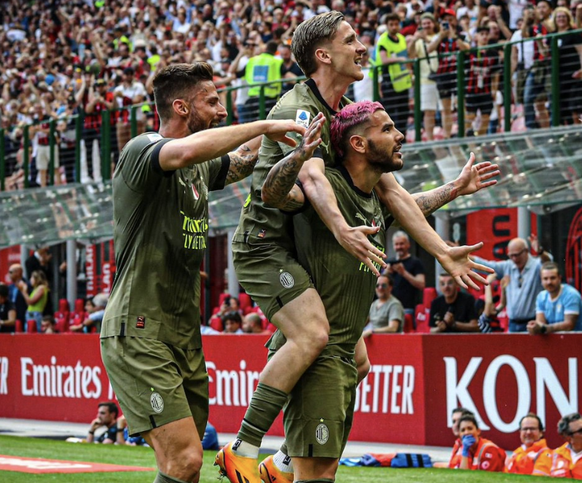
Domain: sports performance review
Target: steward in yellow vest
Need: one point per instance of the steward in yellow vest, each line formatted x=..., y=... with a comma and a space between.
x=391, y=49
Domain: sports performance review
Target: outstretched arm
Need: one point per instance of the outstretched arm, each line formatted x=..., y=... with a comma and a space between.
x=213, y=143
x=473, y=178
x=455, y=260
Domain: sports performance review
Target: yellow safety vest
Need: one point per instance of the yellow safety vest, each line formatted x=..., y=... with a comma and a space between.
x=264, y=68
x=399, y=74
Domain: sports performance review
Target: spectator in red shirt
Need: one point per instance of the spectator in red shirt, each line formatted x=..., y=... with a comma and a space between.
x=535, y=94
x=95, y=99
x=481, y=83
x=455, y=460
x=447, y=42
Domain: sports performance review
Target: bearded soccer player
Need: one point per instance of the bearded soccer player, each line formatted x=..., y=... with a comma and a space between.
x=329, y=53
x=318, y=416
x=150, y=338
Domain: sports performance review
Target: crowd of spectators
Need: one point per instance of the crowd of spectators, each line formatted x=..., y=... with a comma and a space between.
x=61, y=58
x=525, y=294
x=26, y=301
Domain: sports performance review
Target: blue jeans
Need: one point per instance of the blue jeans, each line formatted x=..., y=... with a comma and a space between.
x=517, y=327
x=37, y=317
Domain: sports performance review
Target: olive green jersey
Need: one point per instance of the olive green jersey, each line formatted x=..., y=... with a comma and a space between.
x=160, y=234
x=345, y=285
x=260, y=224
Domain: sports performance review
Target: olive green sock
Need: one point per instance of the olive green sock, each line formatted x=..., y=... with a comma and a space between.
x=266, y=404
x=163, y=478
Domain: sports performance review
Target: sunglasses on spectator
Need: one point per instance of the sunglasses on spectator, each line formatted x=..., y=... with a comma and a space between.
x=578, y=431
x=381, y=285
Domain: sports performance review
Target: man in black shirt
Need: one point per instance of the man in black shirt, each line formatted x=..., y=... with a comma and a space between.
x=15, y=273
x=453, y=311
x=7, y=311
x=107, y=413
x=289, y=68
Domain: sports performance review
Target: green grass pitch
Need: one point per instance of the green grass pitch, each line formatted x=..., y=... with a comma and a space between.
x=137, y=456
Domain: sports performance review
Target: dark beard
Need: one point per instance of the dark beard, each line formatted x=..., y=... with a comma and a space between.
x=196, y=123
x=381, y=161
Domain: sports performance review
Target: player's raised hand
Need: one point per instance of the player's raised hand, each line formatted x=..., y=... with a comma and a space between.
x=278, y=129
x=355, y=242
x=462, y=268
x=475, y=177
x=311, y=138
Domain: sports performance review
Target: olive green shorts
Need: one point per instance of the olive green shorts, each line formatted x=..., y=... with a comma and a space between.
x=156, y=383
x=319, y=413
x=270, y=275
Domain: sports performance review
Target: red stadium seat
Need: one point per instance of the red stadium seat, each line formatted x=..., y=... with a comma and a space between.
x=245, y=302
x=422, y=315
x=428, y=295
x=31, y=326
x=475, y=293
x=216, y=323
x=18, y=327
x=78, y=316
x=408, y=324
x=62, y=316
x=79, y=305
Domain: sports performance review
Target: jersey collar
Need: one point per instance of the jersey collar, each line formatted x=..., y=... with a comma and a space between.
x=313, y=86
x=344, y=172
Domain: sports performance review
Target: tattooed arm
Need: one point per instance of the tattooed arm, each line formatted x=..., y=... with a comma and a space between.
x=279, y=189
x=243, y=160
x=472, y=179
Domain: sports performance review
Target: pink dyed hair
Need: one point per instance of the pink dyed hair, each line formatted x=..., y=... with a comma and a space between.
x=348, y=118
